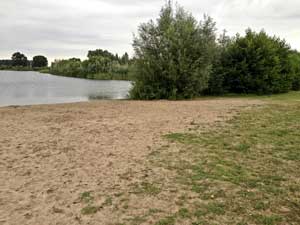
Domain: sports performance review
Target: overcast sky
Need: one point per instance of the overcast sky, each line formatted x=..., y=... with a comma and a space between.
x=69, y=28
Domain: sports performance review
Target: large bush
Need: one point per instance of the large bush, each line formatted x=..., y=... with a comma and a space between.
x=256, y=63
x=70, y=67
x=173, y=56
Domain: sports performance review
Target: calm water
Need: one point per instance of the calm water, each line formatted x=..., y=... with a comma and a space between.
x=29, y=88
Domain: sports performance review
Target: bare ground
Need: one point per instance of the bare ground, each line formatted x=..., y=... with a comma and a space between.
x=87, y=163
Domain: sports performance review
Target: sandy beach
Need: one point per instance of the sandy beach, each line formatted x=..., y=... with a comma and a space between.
x=50, y=155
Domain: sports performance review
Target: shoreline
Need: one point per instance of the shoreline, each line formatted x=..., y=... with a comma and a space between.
x=53, y=74
x=62, y=103
x=47, y=71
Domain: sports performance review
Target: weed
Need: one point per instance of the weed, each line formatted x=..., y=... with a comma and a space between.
x=86, y=197
x=89, y=210
x=170, y=220
x=147, y=189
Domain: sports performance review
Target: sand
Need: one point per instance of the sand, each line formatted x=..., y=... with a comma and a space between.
x=51, y=154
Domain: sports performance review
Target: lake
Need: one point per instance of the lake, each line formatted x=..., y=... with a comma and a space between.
x=31, y=88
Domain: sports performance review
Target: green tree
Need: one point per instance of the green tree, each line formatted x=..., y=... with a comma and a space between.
x=97, y=64
x=295, y=67
x=102, y=53
x=39, y=61
x=19, y=59
x=5, y=62
x=70, y=67
x=216, y=80
x=125, y=59
x=173, y=56
x=255, y=63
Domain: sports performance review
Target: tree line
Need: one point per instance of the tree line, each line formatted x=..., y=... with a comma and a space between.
x=19, y=61
x=100, y=64
x=177, y=57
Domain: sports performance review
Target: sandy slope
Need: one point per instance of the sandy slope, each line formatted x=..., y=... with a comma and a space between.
x=50, y=155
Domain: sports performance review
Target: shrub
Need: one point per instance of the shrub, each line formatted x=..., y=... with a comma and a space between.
x=173, y=56
x=70, y=67
x=256, y=63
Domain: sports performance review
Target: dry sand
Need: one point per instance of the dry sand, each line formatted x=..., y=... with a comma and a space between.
x=51, y=154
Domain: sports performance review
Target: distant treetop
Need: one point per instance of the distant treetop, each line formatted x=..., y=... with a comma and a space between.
x=19, y=59
x=39, y=61
x=103, y=53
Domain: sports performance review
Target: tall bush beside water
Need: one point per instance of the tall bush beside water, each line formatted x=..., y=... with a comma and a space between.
x=173, y=56
x=256, y=63
x=70, y=67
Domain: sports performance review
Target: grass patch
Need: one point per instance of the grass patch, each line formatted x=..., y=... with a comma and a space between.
x=137, y=220
x=147, y=188
x=292, y=96
x=267, y=220
x=86, y=197
x=216, y=208
x=182, y=138
x=108, y=202
x=250, y=165
x=184, y=213
x=89, y=210
x=170, y=220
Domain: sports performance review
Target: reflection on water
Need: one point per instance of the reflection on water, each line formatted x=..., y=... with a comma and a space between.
x=27, y=88
x=99, y=97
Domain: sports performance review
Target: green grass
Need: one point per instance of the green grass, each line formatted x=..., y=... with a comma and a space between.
x=184, y=213
x=147, y=188
x=170, y=220
x=291, y=96
x=89, y=210
x=86, y=197
x=108, y=201
x=244, y=172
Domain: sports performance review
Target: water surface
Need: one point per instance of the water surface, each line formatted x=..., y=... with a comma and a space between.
x=30, y=88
